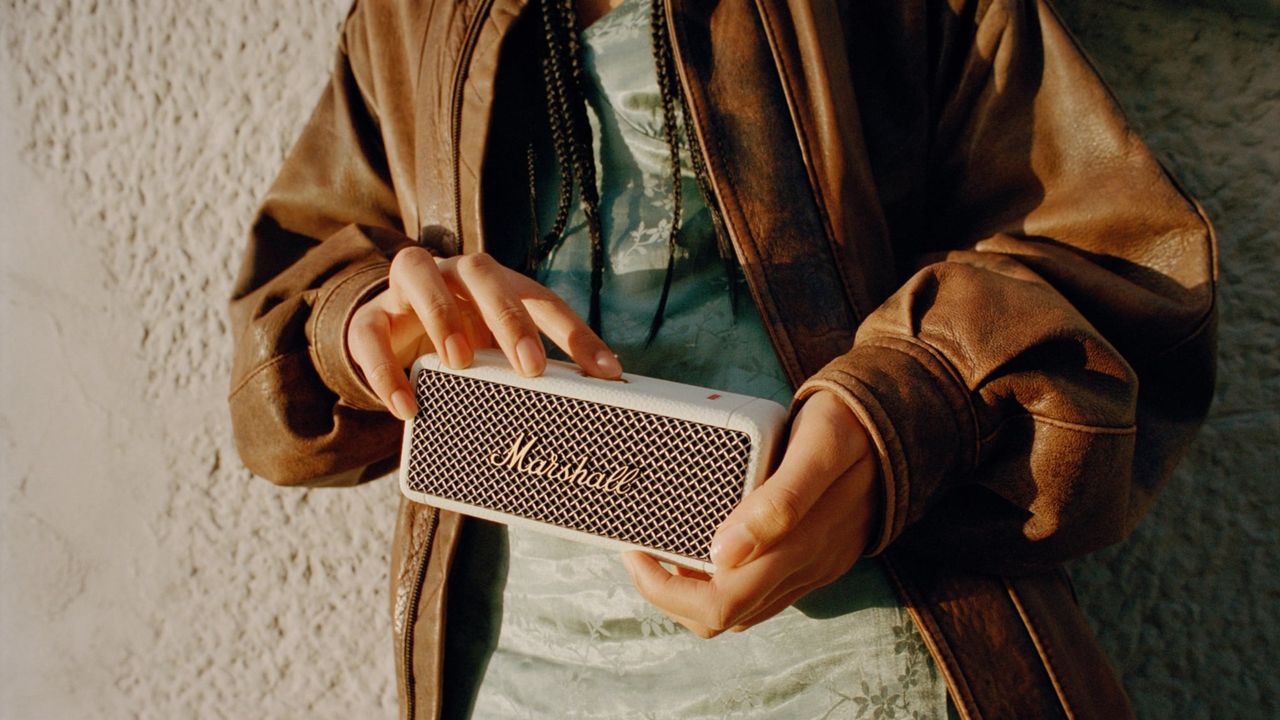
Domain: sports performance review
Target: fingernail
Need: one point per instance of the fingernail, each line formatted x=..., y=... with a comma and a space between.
x=731, y=546
x=457, y=350
x=608, y=364
x=529, y=353
x=402, y=402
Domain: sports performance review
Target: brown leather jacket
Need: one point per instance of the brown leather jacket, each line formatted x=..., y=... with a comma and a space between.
x=943, y=218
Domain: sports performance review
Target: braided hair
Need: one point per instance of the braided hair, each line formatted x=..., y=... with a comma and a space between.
x=571, y=143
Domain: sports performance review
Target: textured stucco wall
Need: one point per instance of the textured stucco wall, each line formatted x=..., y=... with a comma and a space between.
x=143, y=572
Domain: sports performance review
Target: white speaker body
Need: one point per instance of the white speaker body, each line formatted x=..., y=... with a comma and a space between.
x=631, y=464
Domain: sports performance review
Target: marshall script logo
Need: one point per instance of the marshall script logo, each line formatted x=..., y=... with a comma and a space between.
x=521, y=457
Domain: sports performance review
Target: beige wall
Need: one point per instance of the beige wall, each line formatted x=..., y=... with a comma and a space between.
x=144, y=572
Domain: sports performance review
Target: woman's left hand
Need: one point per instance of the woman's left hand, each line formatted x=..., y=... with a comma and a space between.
x=801, y=529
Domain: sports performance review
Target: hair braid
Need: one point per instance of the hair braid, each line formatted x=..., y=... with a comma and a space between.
x=670, y=89
x=583, y=156
x=663, y=63
x=562, y=74
x=553, y=78
x=531, y=258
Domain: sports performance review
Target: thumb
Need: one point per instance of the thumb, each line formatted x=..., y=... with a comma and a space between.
x=826, y=439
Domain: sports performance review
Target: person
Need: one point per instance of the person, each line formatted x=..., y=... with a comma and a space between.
x=994, y=307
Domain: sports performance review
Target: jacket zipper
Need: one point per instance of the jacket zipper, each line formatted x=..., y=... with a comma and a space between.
x=455, y=127
x=411, y=613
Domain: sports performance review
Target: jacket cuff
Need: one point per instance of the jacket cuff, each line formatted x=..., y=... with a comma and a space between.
x=918, y=416
x=329, y=323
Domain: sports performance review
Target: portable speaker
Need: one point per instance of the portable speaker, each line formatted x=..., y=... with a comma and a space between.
x=637, y=463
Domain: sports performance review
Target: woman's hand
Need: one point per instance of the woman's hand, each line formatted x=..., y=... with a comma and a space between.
x=456, y=306
x=801, y=529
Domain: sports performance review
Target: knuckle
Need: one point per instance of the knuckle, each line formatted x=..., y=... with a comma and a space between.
x=438, y=308
x=382, y=375
x=476, y=262
x=409, y=260
x=781, y=510
x=510, y=317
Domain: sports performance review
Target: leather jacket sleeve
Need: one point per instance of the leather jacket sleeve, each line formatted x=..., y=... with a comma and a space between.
x=1032, y=385
x=319, y=246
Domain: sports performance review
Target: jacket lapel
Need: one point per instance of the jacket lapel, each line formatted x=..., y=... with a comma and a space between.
x=456, y=78
x=808, y=44
x=784, y=241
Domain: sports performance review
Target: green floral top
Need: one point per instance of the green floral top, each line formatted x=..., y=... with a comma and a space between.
x=544, y=628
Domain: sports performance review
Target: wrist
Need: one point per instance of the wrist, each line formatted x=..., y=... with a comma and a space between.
x=867, y=461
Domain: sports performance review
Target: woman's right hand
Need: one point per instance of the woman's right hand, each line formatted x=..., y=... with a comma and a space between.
x=455, y=306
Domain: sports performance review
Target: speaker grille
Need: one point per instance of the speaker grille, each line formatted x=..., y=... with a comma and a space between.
x=688, y=475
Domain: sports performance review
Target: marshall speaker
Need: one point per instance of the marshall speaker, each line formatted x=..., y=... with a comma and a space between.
x=637, y=463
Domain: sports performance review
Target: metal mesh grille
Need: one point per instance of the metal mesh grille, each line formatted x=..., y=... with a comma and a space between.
x=690, y=474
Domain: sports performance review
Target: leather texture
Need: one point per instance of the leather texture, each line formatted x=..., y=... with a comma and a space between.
x=942, y=216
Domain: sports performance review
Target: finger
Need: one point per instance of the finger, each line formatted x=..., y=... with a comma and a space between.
x=567, y=330
x=548, y=311
x=696, y=628
x=824, y=443
x=715, y=605
x=369, y=342
x=417, y=280
x=656, y=585
x=818, y=558
x=503, y=312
